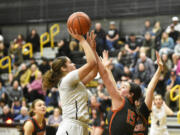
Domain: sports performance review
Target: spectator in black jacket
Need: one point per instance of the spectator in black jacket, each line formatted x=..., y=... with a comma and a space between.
x=100, y=38
x=33, y=38
x=44, y=66
x=63, y=48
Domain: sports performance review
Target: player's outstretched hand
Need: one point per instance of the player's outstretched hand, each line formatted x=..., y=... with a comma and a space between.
x=159, y=61
x=106, y=61
x=75, y=34
x=91, y=40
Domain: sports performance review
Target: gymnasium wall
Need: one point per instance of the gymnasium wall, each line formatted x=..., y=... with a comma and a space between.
x=21, y=16
x=29, y=11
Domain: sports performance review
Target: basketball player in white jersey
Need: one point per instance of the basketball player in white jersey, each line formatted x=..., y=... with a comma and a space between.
x=71, y=84
x=158, y=117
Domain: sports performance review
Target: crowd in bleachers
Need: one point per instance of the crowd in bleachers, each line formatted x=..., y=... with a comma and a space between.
x=133, y=60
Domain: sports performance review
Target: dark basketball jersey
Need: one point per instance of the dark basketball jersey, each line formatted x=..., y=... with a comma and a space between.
x=37, y=129
x=141, y=127
x=122, y=120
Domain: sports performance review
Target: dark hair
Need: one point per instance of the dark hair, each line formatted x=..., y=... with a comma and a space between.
x=136, y=90
x=52, y=76
x=31, y=113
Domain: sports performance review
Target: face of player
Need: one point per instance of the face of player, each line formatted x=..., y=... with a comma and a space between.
x=124, y=89
x=40, y=108
x=70, y=66
x=158, y=101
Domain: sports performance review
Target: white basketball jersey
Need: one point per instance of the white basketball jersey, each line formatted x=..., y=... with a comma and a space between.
x=74, y=98
x=158, y=121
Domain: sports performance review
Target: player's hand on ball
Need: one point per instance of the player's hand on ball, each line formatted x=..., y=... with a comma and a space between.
x=75, y=35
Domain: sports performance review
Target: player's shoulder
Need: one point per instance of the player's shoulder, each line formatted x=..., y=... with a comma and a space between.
x=71, y=74
x=29, y=126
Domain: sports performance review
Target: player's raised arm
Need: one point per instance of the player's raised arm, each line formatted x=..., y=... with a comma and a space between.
x=91, y=60
x=91, y=40
x=153, y=83
x=108, y=79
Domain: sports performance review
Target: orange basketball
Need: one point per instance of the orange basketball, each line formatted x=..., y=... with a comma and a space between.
x=79, y=21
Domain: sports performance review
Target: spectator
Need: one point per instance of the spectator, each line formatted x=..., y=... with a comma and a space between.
x=112, y=36
x=147, y=27
x=148, y=63
x=7, y=115
x=156, y=34
x=124, y=59
x=127, y=72
x=173, y=33
x=2, y=104
x=23, y=116
x=63, y=48
x=100, y=38
x=178, y=68
x=142, y=74
x=20, y=40
x=132, y=46
x=3, y=50
x=175, y=22
x=15, y=52
x=76, y=54
x=2, y=91
x=167, y=64
x=44, y=66
x=31, y=62
x=34, y=39
x=21, y=75
x=35, y=88
x=56, y=118
x=101, y=91
x=176, y=55
x=16, y=107
x=167, y=44
x=172, y=81
x=148, y=46
x=98, y=120
x=116, y=71
x=15, y=91
x=32, y=73
x=52, y=98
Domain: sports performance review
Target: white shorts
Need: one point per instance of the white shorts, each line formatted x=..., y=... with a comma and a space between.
x=72, y=127
x=154, y=131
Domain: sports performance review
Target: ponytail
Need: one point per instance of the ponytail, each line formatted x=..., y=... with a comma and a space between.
x=53, y=76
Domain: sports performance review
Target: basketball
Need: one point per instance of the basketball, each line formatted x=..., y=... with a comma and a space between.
x=79, y=21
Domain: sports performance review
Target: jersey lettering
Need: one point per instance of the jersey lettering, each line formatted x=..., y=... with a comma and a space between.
x=131, y=117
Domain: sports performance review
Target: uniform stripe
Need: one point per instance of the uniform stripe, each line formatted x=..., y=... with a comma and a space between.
x=114, y=114
x=110, y=124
